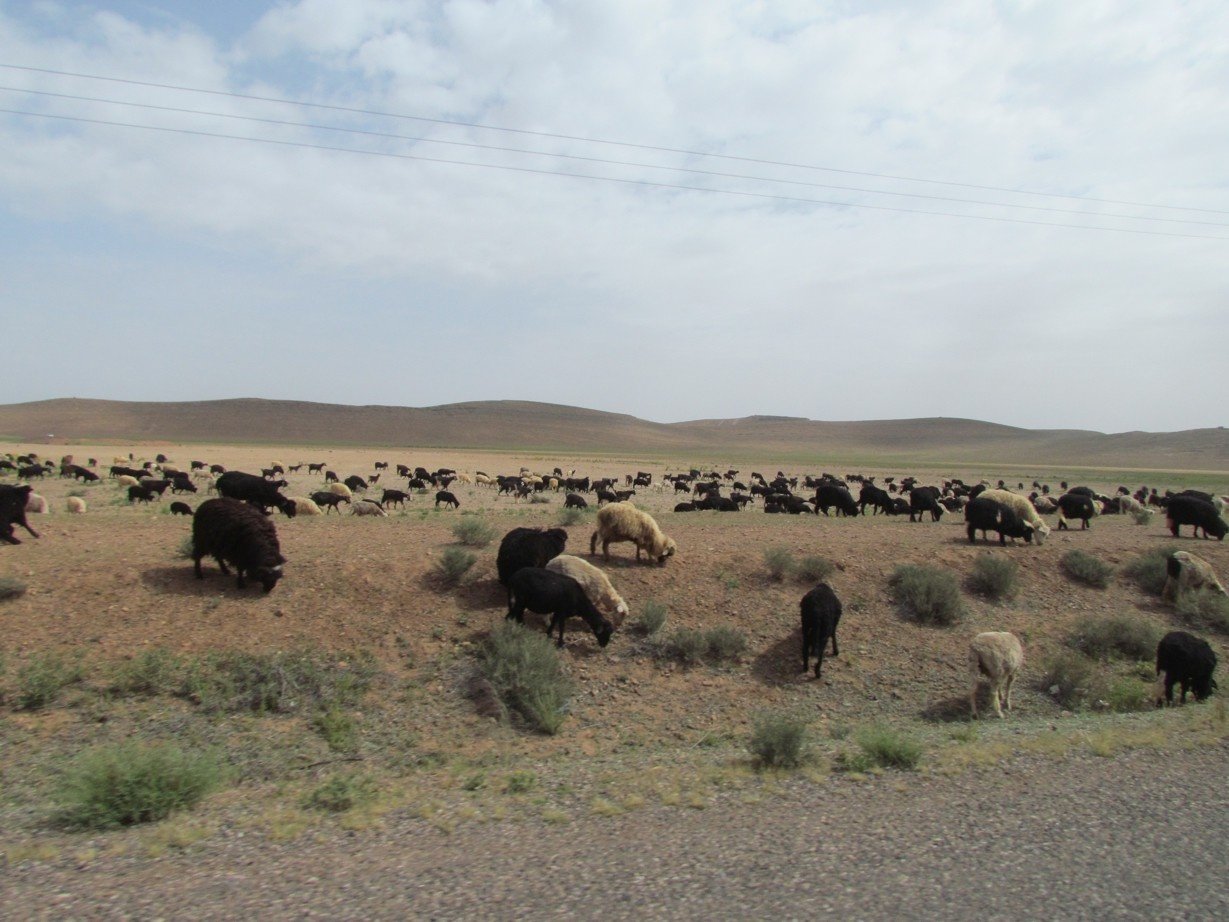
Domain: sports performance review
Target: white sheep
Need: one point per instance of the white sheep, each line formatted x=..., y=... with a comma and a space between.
x=624, y=522
x=75, y=505
x=340, y=489
x=304, y=506
x=483, y=480
x=37, y=503
x=997, y=655
x=595, y=583
x=464, y=478
x=368, y=507
x=1021, y=507
x=127, y=480
x=1129, y=505
x=1186, y=572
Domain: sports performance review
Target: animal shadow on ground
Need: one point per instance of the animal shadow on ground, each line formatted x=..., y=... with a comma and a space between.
x=476, y=595
x=781, y=663
x=182, y=580
x=954, y=709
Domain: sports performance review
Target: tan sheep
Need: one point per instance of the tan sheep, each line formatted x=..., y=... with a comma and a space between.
x=340, y=489
x=37, y=503
x=368, y=507
x=997, y=655
x=75, y=505
x=1130, y=505
x=595, y=583
x=464, y=478
x=624, y=522
x=1021, y=507
x=1186, y=572
x=127, y=480
x=304, y=506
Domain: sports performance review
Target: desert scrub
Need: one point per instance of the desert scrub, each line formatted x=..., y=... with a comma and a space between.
x=1128, y=693
x=275, y=682
x=651, y=620
x=1127, y=635
x=127, y=783
x=1147, y=571
x=813, y=569
x=778, y=739
x=711, y=645
x=1087, y=569
x=571, y=516
x=151, y=672
x=525, y=671
x=452, y=565
x=780, y=563
x=11, y=588
x=1205, y=610
x=1070, y=679
x=336, y=728
x=883, y=747
x=930, y=594
x=994, y=577
x=341, y=793
x=41, y=679
x=473, y=531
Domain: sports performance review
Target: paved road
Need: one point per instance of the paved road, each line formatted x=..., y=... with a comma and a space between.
x=1142, y=835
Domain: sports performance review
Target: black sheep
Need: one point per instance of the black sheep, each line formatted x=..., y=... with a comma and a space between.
x=1186, y=660
x=13, y=511
x=443, y=496
x=924, y=499
x=232, y=531
x=549, y=593
x=356, y=483
x=178, y=508
x=327, y=500
x=1190, y=510
x=821, y=612
x=394, y=498
x=1075, y=506
x=879, y=500
x=987, y=515
x=830, y=495
x=255, y=491
x=142, y=494
x=528, y=547
x=575, y=501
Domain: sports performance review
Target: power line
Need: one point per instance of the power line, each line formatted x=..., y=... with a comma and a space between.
x=599, y=160
x=589, y=140
x=612, y=179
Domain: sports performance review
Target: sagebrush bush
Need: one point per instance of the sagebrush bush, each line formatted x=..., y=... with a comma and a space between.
x=1128, y=693
x=524, y=669
x=127, y=783
x=711, y=645
x=336, y=728
x=1126, y=635
x=994, y=576
x=453, y=564
x=930, y=594
x=778, y=739
x=1071, y=679
x=1148, y=571
x=151, y=672
x=779, y=561
x=473, y=531
x=275, y=682
x=889, y=748
x=41, y=679
x=652, y=618
x=341, y=793
x=813, y=569
x=11, y=588
x=1087, y=569
x=571, y=516
x=1204, y=610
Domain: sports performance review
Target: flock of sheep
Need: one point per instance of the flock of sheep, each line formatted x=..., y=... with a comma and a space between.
x=236, y=530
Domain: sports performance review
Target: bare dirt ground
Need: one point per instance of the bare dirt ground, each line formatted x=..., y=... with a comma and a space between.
x=111, y=583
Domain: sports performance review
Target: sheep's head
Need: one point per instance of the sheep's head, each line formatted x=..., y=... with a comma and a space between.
x=602, y=632
x=668, y=548
x=1040, y=532
x=268, y=576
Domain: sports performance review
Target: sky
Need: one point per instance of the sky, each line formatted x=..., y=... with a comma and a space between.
x=1014, y=211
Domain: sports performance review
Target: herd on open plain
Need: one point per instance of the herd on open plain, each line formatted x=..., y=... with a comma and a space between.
x=236, y=528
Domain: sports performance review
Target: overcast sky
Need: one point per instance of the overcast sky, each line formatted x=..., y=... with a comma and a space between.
x=1016, y=212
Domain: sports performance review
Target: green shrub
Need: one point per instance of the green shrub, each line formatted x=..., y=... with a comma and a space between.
x=127, y=783
x=524, y=669
x=1126, y=635
x=42, y=678
x=813, y=569
x=652, y=618
x=994, y=576
x=275, y=682
x=1204, y=610
x=712, y=645
x=1087, y=569
x=152, y=672
x=1147, y=570
x=1128, y=693
x=930, y=594
x=889, y=748
x=341, y=793
x=1071, y=679
x=336, y=728
x=725, y=643
x=453, y=564
x=778, y=739
x=473, y=531
x=571, y=516
x=520, y=782
x=11, y=588
x=780, y=563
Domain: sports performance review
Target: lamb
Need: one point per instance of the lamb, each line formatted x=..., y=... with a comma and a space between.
x=1187, y=660
x=624, y=522
x=997, y=655
x=37, y=504
x=368, y=507
x=178, y=508
x=821, y=612
x=232, y=531
x=1023, y=508
x=75, y=505
x=986, y=515
x=1186, y=572
x=305, y=506
x=1190, y=510
x=595, y=583
x=528, y=547
x=548, y=592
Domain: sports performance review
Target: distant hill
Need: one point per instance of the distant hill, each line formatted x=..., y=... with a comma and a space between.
x=528, y=426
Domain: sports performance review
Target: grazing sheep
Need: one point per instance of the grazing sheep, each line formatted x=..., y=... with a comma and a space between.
x=232, y=531
x=549, y=593
x=178, y=508
x=924, y=499
x=327, y=499
x=443, y=496
x=575, y=501
x=140, y=494
x=75, y=505
x=368, y=507
x=1186, y=572
x=1129, y=504
x=356, y=483
x=38, y=504
x=13, y=502
x=1186, y=660
x=305, y=506
x=830, y=495
x=1023, y=508
x=821, y=612
x=340, y=489
x=997, y=655
x=1076, y=506
x=595, y=583
x=127, y=480
x=624, y=522
x=1190, y=510
x=528, y=547
x=394, y=498
x=255, y=491
x=986, y=515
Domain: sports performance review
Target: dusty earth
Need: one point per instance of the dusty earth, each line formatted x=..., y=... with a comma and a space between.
x=111, y=583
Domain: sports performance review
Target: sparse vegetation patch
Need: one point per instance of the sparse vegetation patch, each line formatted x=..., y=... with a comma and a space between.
x=1087, y=569
x=929, y=594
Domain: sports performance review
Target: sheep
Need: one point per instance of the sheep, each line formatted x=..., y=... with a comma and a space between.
x=595, y=583
x=394, y=498
x=830, y=495
x=924, y=499
x=624, y=522
x=528, y=547
x=327, y=499
x=75, y=505
x=1023, y=508
x=575, y=501
x=821, y=612
x=178, y=508
x=305, y=506
x=1187, y=660
x=368, y=507
x=13, y=512
x=1129, y=504
x=1190, y=510
x=997, y=655
x=255, y=491
x=548, y=592
x=340, y=489
x=141, y=494
x=1076, y=506
x=127, y=480
x=986, y=515
x=356, y=483
x=1186, y=572
x=443, y=496
x=38, y=504
x=232, y=531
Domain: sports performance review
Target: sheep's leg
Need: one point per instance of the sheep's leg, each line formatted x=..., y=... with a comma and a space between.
x=806, y=650
x=196, y=563
x=996, y=691
x=1007, y=691
x=240, y=581
x=835, y=651
x=222, y=566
